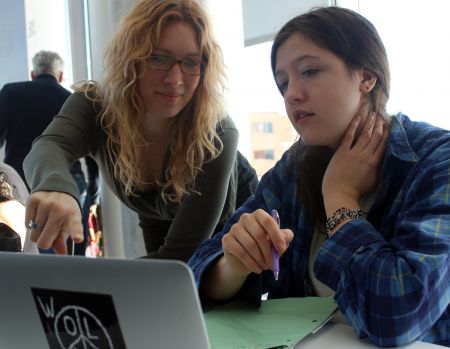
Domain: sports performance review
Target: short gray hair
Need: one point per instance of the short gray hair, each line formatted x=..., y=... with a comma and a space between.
x=48, y=62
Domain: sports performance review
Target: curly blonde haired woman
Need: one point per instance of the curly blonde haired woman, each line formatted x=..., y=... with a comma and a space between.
x=157, y=127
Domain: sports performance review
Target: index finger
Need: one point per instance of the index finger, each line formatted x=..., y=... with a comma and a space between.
x=273, y=231
x=59, y=244
x=60, y=225
x=350, y=133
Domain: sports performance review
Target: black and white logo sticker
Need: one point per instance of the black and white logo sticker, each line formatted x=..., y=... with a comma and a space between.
x=78, y=320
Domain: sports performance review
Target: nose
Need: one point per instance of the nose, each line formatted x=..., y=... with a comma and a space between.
x=174, y=75
x=295, y=92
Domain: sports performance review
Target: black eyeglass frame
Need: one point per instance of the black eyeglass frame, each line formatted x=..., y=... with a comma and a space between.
x=174, y=61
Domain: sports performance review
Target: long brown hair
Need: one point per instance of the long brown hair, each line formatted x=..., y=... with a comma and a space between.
x=355, y=40
x=193, y=135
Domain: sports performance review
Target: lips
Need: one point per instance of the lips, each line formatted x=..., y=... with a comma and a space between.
x=301, y=114
x=169, y=96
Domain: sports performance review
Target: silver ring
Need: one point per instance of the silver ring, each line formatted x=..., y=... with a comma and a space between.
x=33, y=225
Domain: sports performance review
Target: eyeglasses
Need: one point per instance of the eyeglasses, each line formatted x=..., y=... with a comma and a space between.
x=189, y=66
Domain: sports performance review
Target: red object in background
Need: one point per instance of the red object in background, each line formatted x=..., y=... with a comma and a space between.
x=95, y=244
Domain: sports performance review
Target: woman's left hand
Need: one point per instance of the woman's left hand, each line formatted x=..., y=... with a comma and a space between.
x=353, y=169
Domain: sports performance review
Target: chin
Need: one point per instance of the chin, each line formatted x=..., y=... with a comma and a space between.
x=319, y=142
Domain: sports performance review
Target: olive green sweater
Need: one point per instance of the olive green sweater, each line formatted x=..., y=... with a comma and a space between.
x=170, y=230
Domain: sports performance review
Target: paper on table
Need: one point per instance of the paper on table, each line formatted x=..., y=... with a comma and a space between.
x=278, y=322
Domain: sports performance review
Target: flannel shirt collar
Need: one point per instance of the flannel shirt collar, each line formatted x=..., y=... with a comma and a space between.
x=398, y=145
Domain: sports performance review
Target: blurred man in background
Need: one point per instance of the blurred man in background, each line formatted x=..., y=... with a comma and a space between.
x=26, y=109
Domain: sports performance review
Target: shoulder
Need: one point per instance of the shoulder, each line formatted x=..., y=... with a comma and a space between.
x=286, y=166
x=226, y=125
x=228, y=133
x=64, y=91
x=11, y=86
x=78, y=102
x=284, y=171
x=423, y=138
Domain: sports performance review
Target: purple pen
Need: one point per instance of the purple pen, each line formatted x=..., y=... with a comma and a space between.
x=275, y=255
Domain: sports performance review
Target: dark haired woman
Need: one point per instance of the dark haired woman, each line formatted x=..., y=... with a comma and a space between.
x=363, y=197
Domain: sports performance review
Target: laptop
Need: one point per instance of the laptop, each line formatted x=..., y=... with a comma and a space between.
x=49, y=301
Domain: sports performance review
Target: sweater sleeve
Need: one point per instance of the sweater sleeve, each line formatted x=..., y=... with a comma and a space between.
x=199, y=213
x=211, y=250
x=68, y=138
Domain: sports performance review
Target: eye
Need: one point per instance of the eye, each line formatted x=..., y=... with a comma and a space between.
x=191, y=63
x=310, y=72
x=282, y=86
x=160, y=59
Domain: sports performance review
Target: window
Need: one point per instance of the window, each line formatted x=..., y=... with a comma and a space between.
x=267, y=154
x=262, y=127
x=418, y=54
x=41, y=33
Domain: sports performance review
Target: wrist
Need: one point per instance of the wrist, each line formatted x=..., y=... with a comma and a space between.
x=221, y=281
x=333, y=202
x=341, y=216
x=232, y=267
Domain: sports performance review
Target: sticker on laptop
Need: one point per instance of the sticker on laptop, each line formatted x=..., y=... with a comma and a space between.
x=78, y=319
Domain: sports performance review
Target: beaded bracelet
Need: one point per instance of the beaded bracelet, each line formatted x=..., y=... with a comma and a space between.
x=342, y=214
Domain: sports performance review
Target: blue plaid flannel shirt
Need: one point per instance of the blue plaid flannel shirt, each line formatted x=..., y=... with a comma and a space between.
x=391, y=273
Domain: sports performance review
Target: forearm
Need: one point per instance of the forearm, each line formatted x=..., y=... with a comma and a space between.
x=163, y=241
x=45, y=173
x=359, y=257
x=71, y=135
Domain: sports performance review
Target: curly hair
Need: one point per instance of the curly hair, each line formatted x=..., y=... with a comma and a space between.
x=193, y=135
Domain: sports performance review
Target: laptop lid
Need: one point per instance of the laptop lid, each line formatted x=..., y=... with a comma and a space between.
x=49, y=301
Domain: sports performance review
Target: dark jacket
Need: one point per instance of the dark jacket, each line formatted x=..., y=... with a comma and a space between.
x=26, y=109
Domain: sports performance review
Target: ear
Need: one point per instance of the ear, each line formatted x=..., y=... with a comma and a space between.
x=33, y=75
x=60, y=77
x=368, y=81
